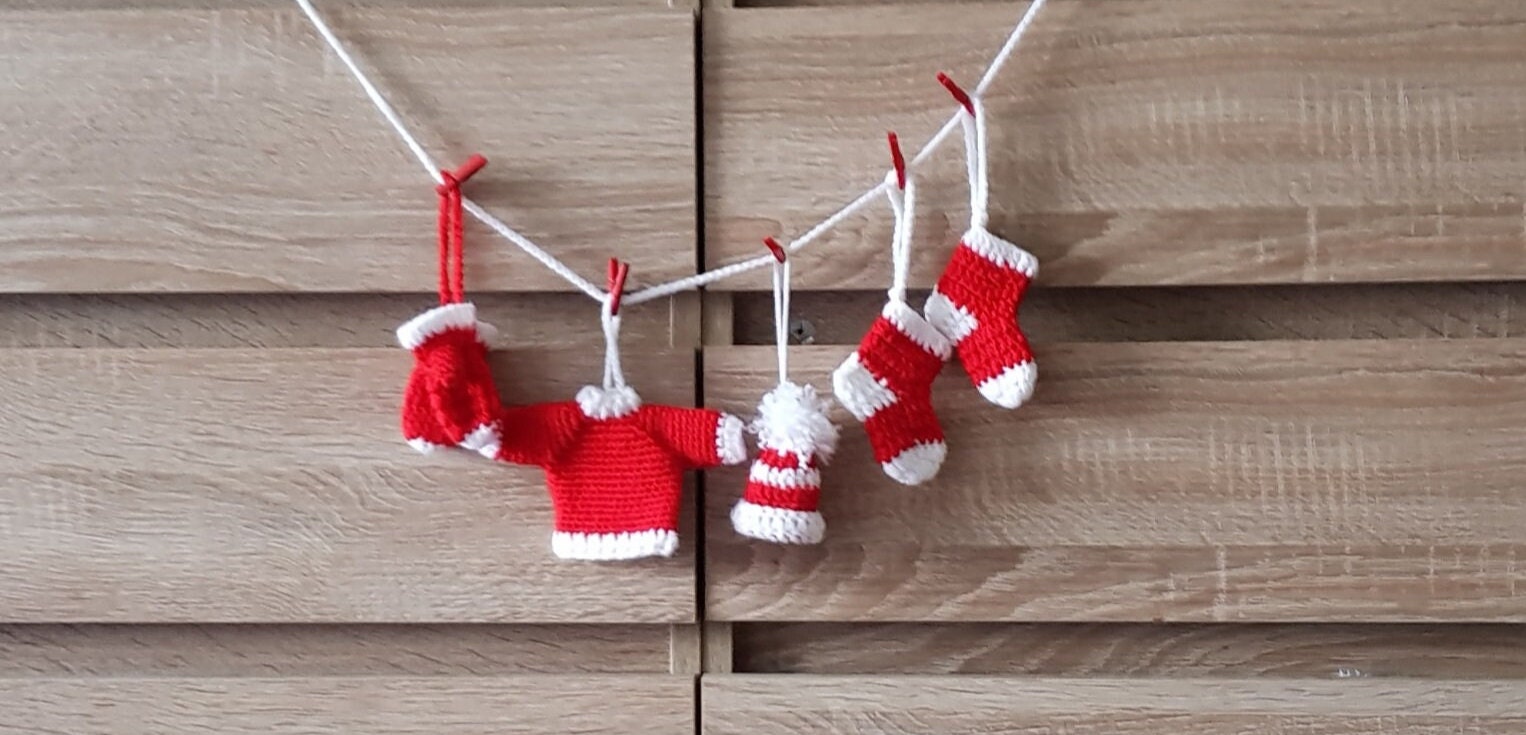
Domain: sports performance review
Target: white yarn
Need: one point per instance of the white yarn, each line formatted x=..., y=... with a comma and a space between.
x=794, y=418
x=781, y=316
x=903, y=204
x=980, y=210
x=432, y=168
x=976, y=164
x=614, y=377
x=700, y=280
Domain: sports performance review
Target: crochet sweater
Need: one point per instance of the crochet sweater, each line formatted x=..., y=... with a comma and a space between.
x=614, y=468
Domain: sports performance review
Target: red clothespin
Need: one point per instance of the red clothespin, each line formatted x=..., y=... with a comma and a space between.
x=898, y=159
x=618, y=270
x=959, y=94
x=775, y=248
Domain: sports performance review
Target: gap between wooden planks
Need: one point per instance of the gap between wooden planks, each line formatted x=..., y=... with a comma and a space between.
x=849, y=705
x=1107, y=650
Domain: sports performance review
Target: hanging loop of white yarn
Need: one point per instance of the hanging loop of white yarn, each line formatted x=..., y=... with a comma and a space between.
x=781, y=315
x=614, y=376
x=972, y=120
x=980, y=212
x=903, y=205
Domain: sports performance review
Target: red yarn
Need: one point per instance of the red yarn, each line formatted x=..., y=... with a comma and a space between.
x=452, y=230
x=617, y=478
x=898, y=159
x=769, y=492
x=450, y=399
x=618, y=270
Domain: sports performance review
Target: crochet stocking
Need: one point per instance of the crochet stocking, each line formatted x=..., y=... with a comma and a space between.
x=887, y=384
x=975, y=305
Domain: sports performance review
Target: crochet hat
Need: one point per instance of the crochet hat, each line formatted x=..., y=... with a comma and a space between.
x=782, y=500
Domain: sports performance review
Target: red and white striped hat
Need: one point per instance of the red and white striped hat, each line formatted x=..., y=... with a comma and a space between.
x=781, y=503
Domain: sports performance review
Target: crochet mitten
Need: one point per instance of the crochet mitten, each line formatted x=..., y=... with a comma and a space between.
x=614, y=468
x=795, y=437
x=450, y=399
x=975, y=305
x=887, y=384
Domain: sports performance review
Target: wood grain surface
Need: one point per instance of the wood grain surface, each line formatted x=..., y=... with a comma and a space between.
x=1131, y=649
x=177, y=149
x=1188, y=314
x=1135, y=143
x=384, y=705
x=328, y=650
x=275, y=320
x=804, y=705
x=273, y=486
x=1272, y=481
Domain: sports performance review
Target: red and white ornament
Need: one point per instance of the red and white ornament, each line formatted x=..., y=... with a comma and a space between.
x=975, y=305
x=976, y=301
x=450, y=399
x=887, y=382
x=796, y=436
x=614, y=467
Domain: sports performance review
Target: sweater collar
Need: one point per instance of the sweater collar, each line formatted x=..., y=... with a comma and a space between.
x=608, y=403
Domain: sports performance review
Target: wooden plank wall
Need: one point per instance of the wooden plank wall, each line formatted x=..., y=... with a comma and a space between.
x=207, y=518
x=1268, y=482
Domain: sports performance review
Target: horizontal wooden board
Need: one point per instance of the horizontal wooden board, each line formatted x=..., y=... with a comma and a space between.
x=329, y=650
x=325, y=4
x=804, y=705
x=273, y=486
x=1188, y=313
x=180, y=149
x=1271, y=481
x=1135, y=143
x=383, y=705
x=1133, y=649
x=303, y=320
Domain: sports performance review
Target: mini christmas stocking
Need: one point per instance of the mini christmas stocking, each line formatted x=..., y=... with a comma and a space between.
x=887, y=384
x=450, y=399
x=975, y=305
x=795, y=437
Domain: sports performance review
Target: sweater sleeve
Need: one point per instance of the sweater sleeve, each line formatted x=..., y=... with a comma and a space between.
x=700, y=437
x=537, y=434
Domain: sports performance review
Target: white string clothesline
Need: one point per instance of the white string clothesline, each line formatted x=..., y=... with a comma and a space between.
x=687, y=283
